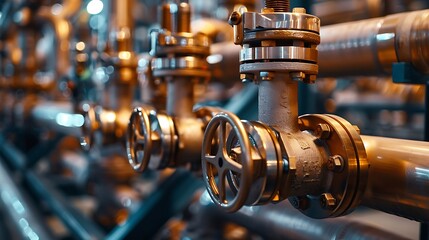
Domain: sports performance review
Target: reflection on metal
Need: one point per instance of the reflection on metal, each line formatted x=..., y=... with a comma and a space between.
x=378, y=42
x=398, y=179
x=27, y=221
x=158, y=139
x=280, y=221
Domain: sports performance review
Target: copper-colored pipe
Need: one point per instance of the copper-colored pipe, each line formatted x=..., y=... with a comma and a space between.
x=369, y=47
x=278, y=103
x=123, y=24
x=398, y=177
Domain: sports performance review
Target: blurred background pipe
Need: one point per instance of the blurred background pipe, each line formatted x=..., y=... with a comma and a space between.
x=280, y=221
x=369, y=47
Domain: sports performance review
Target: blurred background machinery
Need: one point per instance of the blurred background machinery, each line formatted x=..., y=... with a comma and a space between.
x=176, y=119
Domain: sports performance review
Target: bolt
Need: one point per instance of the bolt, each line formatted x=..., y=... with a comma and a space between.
x=266, y=76
x=247, y=77
x=300, y=202
x=327, y=201
x=297, y=76
x=235, y=18
x=357, y=129
x=335, y=163
x=299, y=10
x=323, y=131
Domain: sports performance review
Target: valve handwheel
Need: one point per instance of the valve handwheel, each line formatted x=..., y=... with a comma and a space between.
x=217, y=162
x=139, y=141
x=90, y=128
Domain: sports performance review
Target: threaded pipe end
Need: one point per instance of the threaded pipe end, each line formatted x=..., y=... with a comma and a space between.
x=278, y=5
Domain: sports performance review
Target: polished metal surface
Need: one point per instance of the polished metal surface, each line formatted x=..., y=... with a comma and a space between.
x=253, y=21
x=398, y=179
x=216, y=167
x=378, y=42
x=278, y=53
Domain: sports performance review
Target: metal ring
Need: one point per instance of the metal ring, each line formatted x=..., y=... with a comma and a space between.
x=278, y=53
x=254, y=21
x=266, y=157
x=139, y=140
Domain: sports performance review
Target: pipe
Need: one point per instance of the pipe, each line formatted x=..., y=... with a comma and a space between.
x=180, y=97
x=58, y=116
x=282, y=221
x=398, y=181
x=369, y=47
x=123, y=25
x=23, y=215
x=278, y=103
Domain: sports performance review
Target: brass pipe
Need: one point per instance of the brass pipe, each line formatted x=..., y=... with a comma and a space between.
x=123, y=24
x=369, y=47
x=63, y=30
x=180, y=100
x=398, y=180
x=278, y=103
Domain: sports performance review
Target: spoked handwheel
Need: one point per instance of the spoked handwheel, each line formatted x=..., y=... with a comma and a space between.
x=90, y=128
x=139, y=141
x=218, y=163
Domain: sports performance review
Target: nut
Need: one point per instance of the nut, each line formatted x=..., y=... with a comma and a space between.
x=323, y=131
x=266, y=76
x=327, y=201
x=247, y=77
x=297, y=76
x=299, y=10
x=235, y=18
x=335, y=163
x=300, y=202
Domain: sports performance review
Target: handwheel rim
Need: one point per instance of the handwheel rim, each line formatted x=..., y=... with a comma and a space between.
x=224, y=163
x=139, y=142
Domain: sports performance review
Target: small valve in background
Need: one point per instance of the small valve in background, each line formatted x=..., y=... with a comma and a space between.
x=157, y=138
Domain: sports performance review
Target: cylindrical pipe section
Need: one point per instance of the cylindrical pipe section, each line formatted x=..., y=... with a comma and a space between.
x=278, y=103
x=24, y=216
x=180, y=97
x=58, y=116
x=123, y=24
x=369, y=47
x=184, y=18
x=282, y=221
x=398, y=180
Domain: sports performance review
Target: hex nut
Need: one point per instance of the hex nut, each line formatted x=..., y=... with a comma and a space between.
x=327, y=201
x=297, y=76
x=299, y=202
x=299, y=10
x=247, y=77
x=266, y=76
x=335, y=163
x=322, y=131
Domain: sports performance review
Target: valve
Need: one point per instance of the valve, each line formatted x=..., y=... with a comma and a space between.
x=157, y=139
x=317, y=162
x=150, y=139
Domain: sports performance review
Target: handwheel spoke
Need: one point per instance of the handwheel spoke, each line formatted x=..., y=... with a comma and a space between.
x=232, y=165
x=222, y=186
x=222, y=134
x=211, y=159
x=140, y=139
